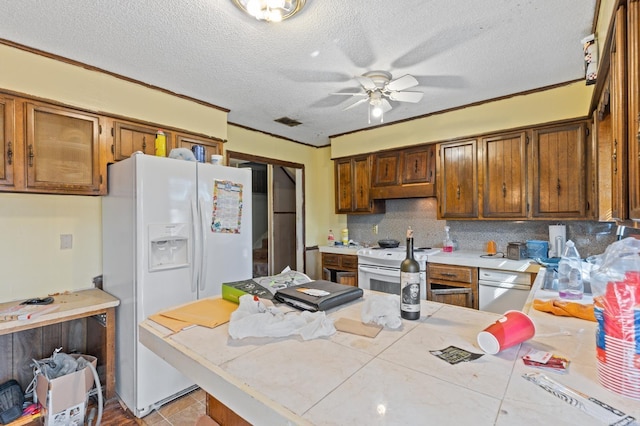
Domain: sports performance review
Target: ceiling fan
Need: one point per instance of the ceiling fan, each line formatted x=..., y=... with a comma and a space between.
x=378, y=87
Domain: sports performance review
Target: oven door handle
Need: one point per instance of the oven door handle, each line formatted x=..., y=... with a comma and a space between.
x=387, y=272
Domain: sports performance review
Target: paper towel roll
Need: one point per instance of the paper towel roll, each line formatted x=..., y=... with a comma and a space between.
x=557, y=238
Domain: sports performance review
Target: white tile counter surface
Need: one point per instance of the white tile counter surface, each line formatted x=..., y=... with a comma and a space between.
x=392, y=378
x=353, y=250
x=476, y=259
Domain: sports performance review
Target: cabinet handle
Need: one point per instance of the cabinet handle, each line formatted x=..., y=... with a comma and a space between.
x=144, y=143
x=458, y=192
x=9, y=153
x=448, y=274
x=558, y=186
x=31, y=155
x=614, y=157
x=430, y=176
x=386, y=170
x=504, y=190
x=416, y=166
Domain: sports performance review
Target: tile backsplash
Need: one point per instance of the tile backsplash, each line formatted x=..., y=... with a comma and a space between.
x=591, y=237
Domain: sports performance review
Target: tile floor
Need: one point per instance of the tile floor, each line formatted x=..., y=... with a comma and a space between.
x=181, y=412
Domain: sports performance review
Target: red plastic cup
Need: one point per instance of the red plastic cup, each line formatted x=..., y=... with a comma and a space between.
x=511, y=329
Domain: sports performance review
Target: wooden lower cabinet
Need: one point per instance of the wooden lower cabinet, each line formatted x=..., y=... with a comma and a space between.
x=222, y=414
x=340, y=268
x=452, y=284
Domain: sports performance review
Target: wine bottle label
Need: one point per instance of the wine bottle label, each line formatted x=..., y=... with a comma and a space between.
x=410, y=291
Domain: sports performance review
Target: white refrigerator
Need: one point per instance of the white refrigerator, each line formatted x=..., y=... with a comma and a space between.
x=173, y=231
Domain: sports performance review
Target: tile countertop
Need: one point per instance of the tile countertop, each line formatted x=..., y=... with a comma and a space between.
x=475, y=259
x=353, y=250
x=392, y=378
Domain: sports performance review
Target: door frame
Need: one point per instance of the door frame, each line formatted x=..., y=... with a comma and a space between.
x=300, y=201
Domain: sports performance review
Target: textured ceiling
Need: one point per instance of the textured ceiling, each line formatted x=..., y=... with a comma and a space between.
x=460, y=51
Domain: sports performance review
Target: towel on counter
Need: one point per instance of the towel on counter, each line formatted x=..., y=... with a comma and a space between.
x=254, y=319
x=565, y=309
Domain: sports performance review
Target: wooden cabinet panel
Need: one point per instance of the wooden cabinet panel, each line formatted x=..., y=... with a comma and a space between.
x=131, y=137
x=353, y=186
x=385, y=169
x=419, y=164
x=62, y=150
x=558, y=171
x=340, y=268
x=633, y=72
x=504, y=176
x=7, y=140
x=457, y=180
x=453, y=284
x=618, y=109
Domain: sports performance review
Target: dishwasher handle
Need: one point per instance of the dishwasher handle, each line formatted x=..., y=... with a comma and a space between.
x=506, y=285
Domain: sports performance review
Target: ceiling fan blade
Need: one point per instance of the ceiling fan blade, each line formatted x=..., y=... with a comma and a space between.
x=350, y=94
x=413, y=97
x=366, y=82
x=402, y=83
x=386, y=106
x=361, y=101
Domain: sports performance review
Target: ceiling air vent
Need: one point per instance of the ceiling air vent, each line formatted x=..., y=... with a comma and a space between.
x=288, y=121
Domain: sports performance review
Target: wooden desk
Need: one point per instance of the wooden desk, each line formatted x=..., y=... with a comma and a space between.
x=72, y=306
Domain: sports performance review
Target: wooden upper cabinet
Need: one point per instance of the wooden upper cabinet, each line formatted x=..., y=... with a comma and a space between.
x=211, y=146
x=386, y=166
x=61, y=150
x=618, y=110
x=633, y=73
x=131, y=137
x=558, y=174
x=419, y=164
x=457, y=180
x=353, y=185
x=504, y=175
x=7, y=140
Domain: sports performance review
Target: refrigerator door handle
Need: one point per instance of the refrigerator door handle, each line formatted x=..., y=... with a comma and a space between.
x=195, y=246
x=203, y=245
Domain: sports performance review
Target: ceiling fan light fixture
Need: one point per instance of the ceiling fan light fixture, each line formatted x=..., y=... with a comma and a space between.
x=270, y=10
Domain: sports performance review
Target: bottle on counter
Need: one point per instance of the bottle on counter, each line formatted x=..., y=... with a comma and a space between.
x=447, y=243
x=570, y=285
x=410, y=283
x=161, y=144
x=345, y=236
x=331, y=239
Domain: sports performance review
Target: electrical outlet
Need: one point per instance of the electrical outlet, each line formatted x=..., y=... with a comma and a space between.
x=66, y=241
x=375, y=229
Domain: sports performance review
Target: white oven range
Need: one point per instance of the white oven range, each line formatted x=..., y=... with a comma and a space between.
x=379, y=268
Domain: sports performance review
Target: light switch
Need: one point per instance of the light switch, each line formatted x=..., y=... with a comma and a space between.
x=66, y=241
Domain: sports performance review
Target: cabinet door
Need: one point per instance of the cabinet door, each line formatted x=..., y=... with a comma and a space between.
x=361, y=184
x=211, y=146
x=618, y=108
x=504, y=171
x=633, y=72
x=419, y=165
x=129, y=138
x=7, y=141
x=62, y=150
x=344, y=186
x=385, y=169
x=558, y=171
x=457, y=186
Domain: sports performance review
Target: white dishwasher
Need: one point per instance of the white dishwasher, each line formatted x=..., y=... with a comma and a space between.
x=500, y=291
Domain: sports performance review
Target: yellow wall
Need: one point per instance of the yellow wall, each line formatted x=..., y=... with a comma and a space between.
x=565, y=102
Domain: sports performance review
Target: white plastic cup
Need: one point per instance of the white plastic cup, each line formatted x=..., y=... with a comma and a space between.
x=513, y=328
x=216, y=160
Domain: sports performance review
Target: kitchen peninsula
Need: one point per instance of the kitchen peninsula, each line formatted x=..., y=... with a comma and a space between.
x=392, y=378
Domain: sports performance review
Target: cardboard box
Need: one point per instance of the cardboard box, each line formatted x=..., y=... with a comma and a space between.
x=64, y=398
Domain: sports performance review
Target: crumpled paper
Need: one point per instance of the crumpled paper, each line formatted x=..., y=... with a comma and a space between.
x=382, y=310
x=254, y=319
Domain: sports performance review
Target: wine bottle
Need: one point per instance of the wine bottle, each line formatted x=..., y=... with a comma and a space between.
x=410, y=283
